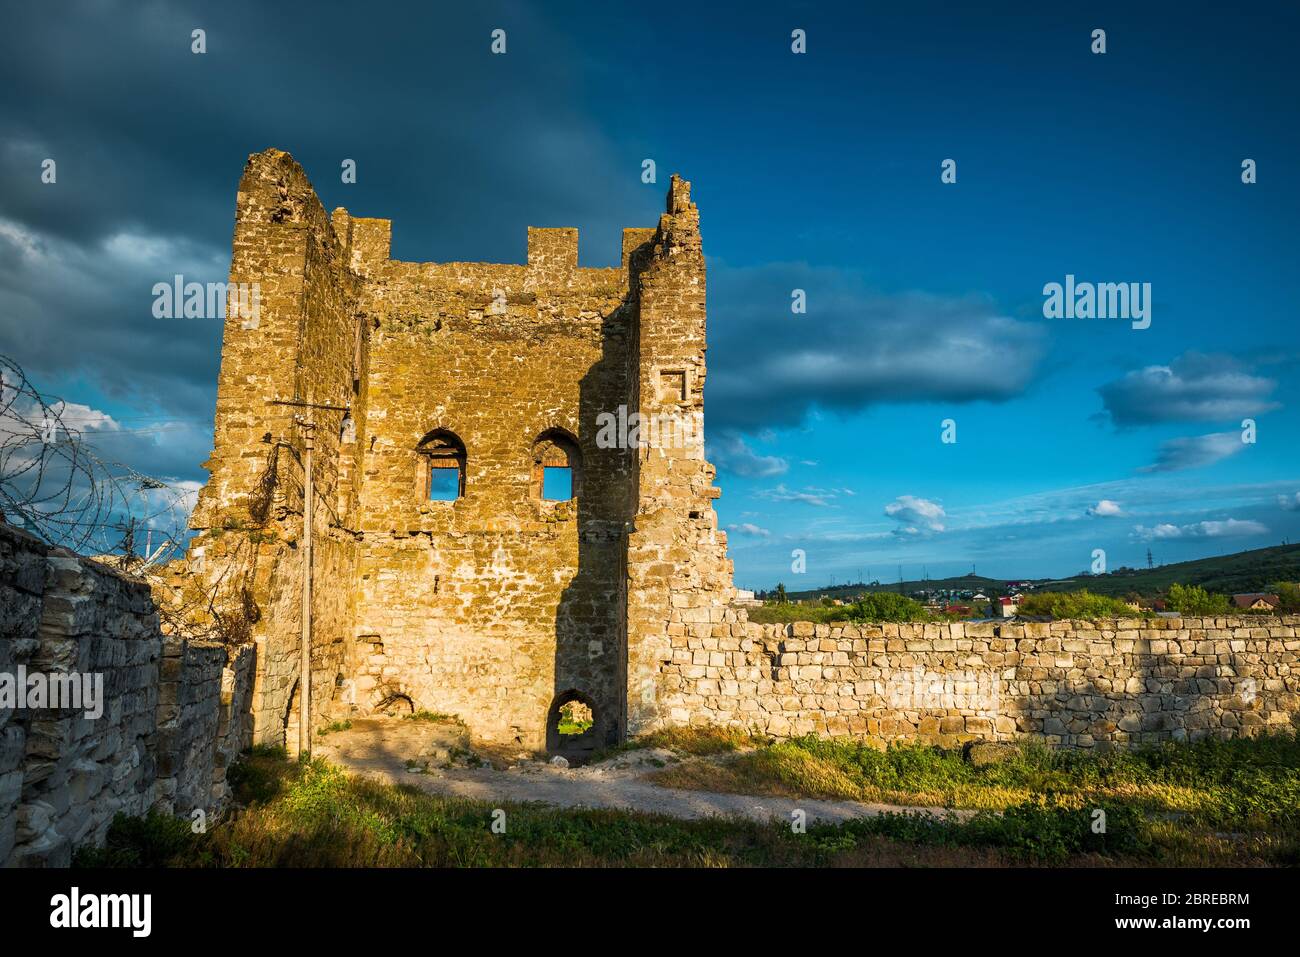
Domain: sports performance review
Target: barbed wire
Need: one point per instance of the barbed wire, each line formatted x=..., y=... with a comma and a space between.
x=54, y=484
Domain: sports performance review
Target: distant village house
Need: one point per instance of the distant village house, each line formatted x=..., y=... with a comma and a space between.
x=1256, y=601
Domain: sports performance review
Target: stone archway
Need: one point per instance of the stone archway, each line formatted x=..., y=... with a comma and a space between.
x=575, y=726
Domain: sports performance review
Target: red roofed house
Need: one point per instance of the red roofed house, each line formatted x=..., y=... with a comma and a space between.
x=1256, y=601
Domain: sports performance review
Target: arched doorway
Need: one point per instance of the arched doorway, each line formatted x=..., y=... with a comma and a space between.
x=574, y=726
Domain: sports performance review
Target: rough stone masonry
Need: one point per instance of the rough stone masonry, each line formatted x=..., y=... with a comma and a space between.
x=171, y=719
x=498, y=603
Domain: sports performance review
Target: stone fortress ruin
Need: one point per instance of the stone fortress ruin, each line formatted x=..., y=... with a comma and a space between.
x=450, y=578
x=481, y=550
x=447, y=576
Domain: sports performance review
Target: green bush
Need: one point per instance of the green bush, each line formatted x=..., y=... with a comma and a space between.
x=873, y=607
x=889, y=606
x=1289, y=595
x=1195, y=600
x=1075, y=604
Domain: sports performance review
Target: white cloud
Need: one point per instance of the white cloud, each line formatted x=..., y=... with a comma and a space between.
x=1105, y=509
x=917, y=516
x=1289, y=503
x=750, y=529
x=1227, y=528
x=85, y=419
x=819, y=497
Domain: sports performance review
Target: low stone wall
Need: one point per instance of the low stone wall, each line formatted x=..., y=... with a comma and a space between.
x=189, y=692
x=1070, y=683
x=64, y=775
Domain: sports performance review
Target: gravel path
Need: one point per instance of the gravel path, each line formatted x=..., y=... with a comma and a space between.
x=373, y=751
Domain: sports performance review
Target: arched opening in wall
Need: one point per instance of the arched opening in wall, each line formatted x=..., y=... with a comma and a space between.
x=291, y=722
x=395, y=705
x=557, y=467
x=441, y=455
x=573, y=726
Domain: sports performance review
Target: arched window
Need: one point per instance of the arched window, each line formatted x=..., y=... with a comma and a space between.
x=557, y=466
x=442, y=466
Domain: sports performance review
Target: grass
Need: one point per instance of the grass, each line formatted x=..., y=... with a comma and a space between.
x=1081, y=604
x=1206, y=804
x=314, y=815
x=434, y=717
x=695, y=742
x=335, y=727
x=1187, y=794
x=871, y=608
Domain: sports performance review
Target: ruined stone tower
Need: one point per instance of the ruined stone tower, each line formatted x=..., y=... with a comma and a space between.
x=447, y=576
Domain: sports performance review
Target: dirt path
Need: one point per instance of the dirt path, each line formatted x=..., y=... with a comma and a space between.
x=381, y=748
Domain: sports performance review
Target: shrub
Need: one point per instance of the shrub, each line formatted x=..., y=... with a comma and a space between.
x=1075, y=604
x=1288, y=594
x=889, y=606
x=1195, y=600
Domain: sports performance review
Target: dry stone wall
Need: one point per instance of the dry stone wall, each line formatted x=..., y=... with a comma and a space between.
x=1070, y=683
x=64, y=775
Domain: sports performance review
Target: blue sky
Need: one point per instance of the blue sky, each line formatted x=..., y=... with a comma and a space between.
x=818, y=171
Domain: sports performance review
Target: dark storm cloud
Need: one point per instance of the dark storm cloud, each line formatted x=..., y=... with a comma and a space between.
x=462, y=149
x=1192, y=388
x=853, y=348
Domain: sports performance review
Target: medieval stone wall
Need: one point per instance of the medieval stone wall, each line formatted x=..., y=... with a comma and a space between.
x=499, y=605
x=1070, y=683
x=492, y=605
x=679, y=578
x=65, y=775
x=306, y=345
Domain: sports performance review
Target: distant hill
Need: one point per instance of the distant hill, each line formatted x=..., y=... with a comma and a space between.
x=1239, y=572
